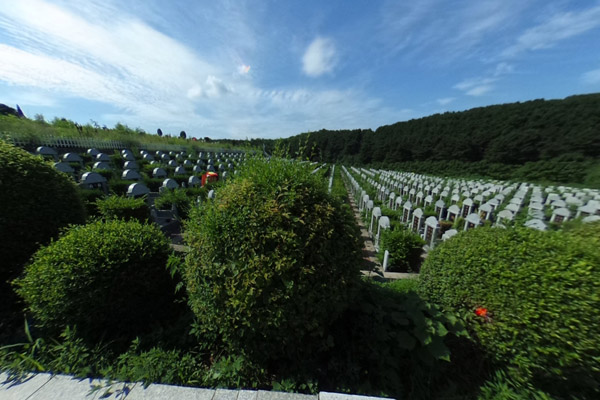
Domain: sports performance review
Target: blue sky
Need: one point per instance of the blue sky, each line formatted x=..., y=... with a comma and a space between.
x=237, y=69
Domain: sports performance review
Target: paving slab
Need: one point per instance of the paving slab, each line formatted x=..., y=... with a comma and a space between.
x=247, y=395
x=21, y=389
x=159, y=392
x=267, y=395
x=342, y=396
x=226, y=394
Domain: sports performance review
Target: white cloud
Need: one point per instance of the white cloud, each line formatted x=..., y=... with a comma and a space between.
x=150, y=79
x=320, y=57
x=559, y=27
x=445, y=101
x=476, y=86
x=591, y=77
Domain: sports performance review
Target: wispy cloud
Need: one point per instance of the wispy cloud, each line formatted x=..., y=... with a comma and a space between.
x=476, y=86
x=445, y=101
x=560, y=26
x=320, y=57
x=591, y=77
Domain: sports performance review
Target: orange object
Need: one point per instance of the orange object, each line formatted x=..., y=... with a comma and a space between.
x=481, y=312
x=209, y=177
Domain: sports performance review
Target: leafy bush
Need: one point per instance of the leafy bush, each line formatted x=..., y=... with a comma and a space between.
x=271, y=261
x=36, y=202
x=392, y=343
x=405, y=249
x=120, y=207
x=536, y=298
x=181, y=198
x=119, y=186
x=108, y=278
x=89, y=197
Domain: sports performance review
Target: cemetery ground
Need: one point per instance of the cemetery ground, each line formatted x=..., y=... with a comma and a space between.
x=270, y=295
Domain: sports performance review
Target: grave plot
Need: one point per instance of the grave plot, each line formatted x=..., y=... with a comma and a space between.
x=459, y=204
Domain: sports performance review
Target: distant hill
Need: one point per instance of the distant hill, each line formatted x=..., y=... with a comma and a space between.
x=554, y=141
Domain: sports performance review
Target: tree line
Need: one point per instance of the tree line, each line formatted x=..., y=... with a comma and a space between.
x=555, y=141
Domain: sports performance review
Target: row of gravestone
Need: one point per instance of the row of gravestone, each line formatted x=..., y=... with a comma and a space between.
x=415, y=190
x=131, y=168
x=558, y=213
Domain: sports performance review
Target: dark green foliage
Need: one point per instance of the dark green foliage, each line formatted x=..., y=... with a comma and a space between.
x=120, y=207
x=36, y=201
x=390, y=342
x=89, y=197
x=553, y=141
x=405, y=249
x=107, y=278
x=183, y=199
x=271, y=262
x=541, y=292
x=119, y=186
x=403, y=285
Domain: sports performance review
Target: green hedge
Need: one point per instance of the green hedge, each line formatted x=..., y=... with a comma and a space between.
x=36, y=201
x=540, y=295
x=107, y=278
x=120, y=207
x=405, y=249
x=271, y=261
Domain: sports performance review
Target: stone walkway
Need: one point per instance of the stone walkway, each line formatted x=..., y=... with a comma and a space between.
x=62, y=387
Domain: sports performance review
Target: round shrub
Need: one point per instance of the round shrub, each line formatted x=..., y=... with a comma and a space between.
x=532, y=298
x=405, y=249
x=120, y=207
x=107, y=278
x=271, y=262
x=36, y=201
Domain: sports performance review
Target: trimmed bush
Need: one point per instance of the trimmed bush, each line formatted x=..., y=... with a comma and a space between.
x=405, y=249
x=181, y=198
x=271, y=263
x=107, y=278
x=532, y=298
x=36, y=202
x=120, y=207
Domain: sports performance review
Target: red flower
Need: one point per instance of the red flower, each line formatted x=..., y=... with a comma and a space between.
x=481, y=312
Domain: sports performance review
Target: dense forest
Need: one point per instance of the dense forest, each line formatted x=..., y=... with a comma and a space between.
x=541, y=140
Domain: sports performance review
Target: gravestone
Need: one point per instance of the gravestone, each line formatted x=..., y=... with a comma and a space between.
x=170, y=184
x=417, y=220
x=130, y=175
x=374, y=219
x=485, y=211
x=397, y=203
x=159, y=173
x=440, y=209
x=131, y=165
x=560, y=215
x=453, y=212
x=406, y=211
x=136, y=190
x=194, y=181
x=47, y=152
x=432, y=228
x=102, y=165
x=504, y=215
x=172, y=164
x=448, y=234
x=467, y=207
x=148, y=157
x=536, y=224
x=180, y=171
x=72, y=157
x=92, y=152
x=197, y=169
x=383, y=224
x=64, y=167
x=93, y=180
x=473, y=220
